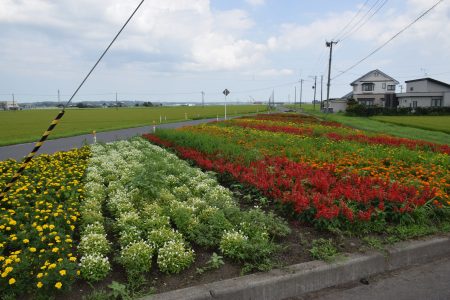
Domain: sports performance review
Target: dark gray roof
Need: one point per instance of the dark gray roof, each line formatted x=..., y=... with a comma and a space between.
x=376, y=70
x=430, y=79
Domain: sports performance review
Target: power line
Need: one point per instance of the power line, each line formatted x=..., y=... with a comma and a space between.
x=365, y=20
x=103, y=54
x=348, y=24
x=389, y=40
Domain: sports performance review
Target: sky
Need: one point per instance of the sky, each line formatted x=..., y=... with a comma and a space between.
x=173, y=50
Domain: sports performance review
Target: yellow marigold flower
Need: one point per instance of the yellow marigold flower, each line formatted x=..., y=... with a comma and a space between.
x=62, y=272
x=39, y=284
x=39, y=275
x=58, y=285
x=8, y=269
x=32, y=249
x=4, y=274
x=73, y=258
x=26, y=241
x=56, y=249
x=51, y=266
x=11, y=281
x=78, y=272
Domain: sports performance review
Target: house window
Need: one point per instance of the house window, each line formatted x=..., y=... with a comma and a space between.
x=367, y=87
x=411, y=88
x=436, y=102
x=366, y=101
x=391, y=87
x=414, y=104
x=384, y=85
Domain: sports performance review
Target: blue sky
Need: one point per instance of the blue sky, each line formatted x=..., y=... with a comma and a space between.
x=173, y=50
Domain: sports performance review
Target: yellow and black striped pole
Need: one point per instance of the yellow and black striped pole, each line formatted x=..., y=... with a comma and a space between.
x=30, y=156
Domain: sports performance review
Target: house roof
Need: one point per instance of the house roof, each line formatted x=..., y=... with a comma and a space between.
x=373, y=71
x=430, y=79
x=348, y=95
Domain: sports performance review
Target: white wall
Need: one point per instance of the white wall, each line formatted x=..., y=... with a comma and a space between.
x=338, y=106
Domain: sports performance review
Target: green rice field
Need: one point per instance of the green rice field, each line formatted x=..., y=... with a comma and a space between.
x=435, y=123
x=28, y=125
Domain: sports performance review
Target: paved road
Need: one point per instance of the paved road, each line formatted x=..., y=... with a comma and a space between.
x=20, y=150
x=430, y=281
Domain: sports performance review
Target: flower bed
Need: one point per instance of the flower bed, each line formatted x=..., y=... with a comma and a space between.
x=161, y=207
x=327, y=181
x=38, y=222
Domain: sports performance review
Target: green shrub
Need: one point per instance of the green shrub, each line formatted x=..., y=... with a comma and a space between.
x=211, y=225
x=158, y=237
x=94, y=267
x=94, y=243
x=136, y=258
x=173, y=257
x=234, y=245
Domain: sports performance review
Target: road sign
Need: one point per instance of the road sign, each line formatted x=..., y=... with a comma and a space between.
x=226, y=92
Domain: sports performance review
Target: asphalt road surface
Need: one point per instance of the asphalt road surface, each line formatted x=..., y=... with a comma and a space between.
x=64, y=144
x=429, y=282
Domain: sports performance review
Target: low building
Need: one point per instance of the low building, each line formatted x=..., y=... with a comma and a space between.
x=425, y=92
x=375, y=89
x=335, y=105
x=9, y=105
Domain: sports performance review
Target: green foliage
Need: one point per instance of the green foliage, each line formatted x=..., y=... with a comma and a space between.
x=119, y=290
x=174, y=257
x=158, y=237
x=215, y=262
x=94, y=267
x=210, y=227
x=323, y=249
x=136, y=258
x=94, y=243
x=373, y=243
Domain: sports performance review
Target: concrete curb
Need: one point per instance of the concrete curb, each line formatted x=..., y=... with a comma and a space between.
x=300, y=279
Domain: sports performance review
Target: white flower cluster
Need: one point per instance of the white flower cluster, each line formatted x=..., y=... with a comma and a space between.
x=94, y=246
x=146, y=189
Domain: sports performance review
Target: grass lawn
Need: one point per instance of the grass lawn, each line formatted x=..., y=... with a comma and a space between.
x=434, y=123
x=28, y=125
x=407, y=127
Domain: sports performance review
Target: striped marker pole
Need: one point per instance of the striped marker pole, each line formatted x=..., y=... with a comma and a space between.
x=30, y=156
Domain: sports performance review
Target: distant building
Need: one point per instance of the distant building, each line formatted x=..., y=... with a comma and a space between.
x=9, y=105
x=425, y=92
x=335, y=105
x=375, y=89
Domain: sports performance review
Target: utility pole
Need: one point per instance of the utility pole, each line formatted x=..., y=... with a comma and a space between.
x=301, y=92
x=59, y=97
x=117, y=104
x=203, y=99
x=321, y=88
x=314, y=88
x=14, y=104
x=329, y=45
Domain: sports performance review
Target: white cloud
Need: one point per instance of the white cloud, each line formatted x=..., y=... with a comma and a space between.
x=255, y=2
x=187, y=31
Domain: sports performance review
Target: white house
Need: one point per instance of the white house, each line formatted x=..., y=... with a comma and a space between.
x=9, y=105
x=375, y=88
x=425, y=92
